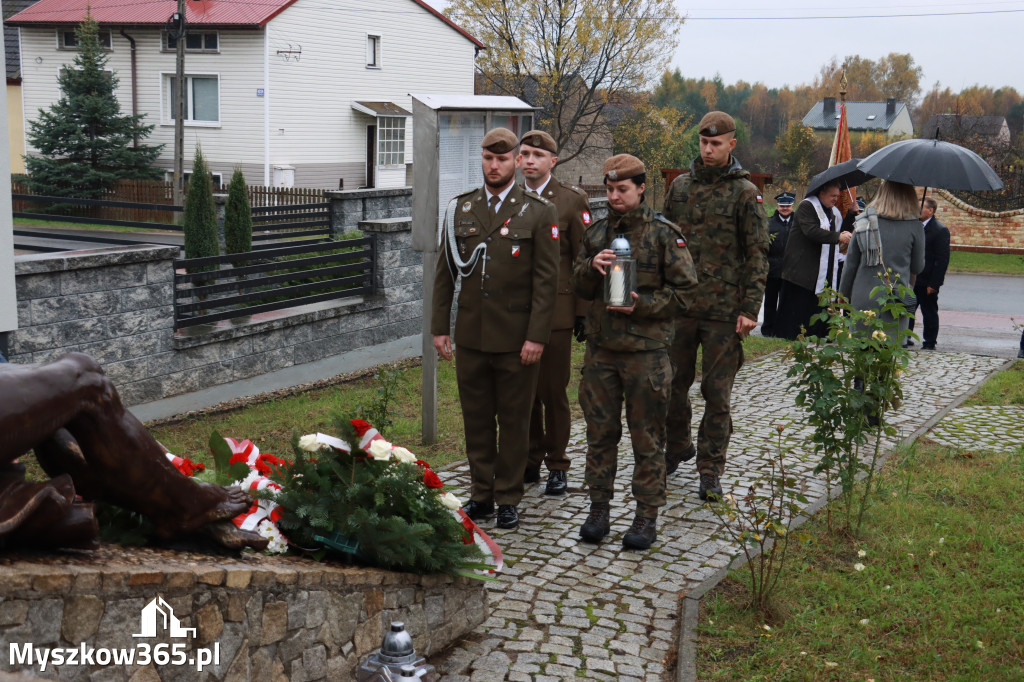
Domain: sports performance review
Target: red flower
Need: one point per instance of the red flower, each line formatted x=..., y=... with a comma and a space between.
x=423, y=464
x=431, y=480
x=190, y=468
x=239, y=457
x=361, y=426
x=266, y=464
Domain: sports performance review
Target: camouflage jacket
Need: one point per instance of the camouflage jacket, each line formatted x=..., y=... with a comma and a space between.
x=664, y=271
x=721, y=215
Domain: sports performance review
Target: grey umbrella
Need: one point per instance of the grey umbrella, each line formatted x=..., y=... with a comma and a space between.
x=847, y=174
x=932, y=163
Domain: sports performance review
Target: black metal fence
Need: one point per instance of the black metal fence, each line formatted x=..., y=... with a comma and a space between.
x=24, y=201
x=1010, y=198
x=218, y=288
x=296, y=221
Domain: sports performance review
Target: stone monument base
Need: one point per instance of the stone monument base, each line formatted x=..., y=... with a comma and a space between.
x=255, y=617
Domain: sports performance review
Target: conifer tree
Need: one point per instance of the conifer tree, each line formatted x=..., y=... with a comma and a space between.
x=84, y=143
x=200, y=221
x=238, y=216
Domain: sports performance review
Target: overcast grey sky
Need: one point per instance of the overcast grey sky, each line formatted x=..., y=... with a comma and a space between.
x=957, y=49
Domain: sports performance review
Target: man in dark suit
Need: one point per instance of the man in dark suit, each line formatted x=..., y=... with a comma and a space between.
x=551, y=418
x=778, y=232
x=503, y=242
x=929, y=280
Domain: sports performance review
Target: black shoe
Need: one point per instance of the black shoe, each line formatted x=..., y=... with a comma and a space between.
x=478, y=511
x=927, y=346
x=672, y=459
x=531, y=475
x=641, y=534
x=1020, y=353
x=710, y=487
x=909, y=343
x=508, y=517
x=558, y=481
x=598, y=522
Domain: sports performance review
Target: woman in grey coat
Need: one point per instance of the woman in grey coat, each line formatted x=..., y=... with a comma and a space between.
x=888, y=236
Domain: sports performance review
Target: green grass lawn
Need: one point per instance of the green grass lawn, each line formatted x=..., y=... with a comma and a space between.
x=32, y=222
x=998, y=263
x=939, y=595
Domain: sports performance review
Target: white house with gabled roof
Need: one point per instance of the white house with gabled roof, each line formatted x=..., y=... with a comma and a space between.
x=310, y=93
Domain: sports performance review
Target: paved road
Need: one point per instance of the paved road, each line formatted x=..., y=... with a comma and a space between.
x=565, y=608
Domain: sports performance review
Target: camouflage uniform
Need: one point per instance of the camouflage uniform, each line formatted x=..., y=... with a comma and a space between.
x=627, y=355
x=721, y=215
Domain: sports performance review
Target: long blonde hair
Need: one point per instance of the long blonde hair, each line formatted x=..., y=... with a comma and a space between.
x=896, y=201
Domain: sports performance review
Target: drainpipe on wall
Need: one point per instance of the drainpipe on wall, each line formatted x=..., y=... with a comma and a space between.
x=266, y=105
x=135, y=90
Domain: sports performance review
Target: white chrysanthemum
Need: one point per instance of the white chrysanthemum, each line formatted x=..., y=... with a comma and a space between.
x=451, y=501
x=380, y=450
x=403, y=455
x=278, y=545
x=246, y=483
x=308, y=443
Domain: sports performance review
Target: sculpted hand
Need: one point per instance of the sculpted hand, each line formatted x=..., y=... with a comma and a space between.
x=531, y=352
x=443, y=344
x=744, y=325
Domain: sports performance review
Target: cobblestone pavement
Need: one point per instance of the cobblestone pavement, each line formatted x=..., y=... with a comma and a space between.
x=564, y=609
x=997, y=428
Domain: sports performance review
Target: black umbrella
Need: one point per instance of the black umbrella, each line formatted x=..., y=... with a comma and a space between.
x=847, y=174
x=932, y=163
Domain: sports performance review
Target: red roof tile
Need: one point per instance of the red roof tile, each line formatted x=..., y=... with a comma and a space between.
x=239, y=13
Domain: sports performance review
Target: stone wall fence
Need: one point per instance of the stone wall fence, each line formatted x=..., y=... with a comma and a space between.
x=974, y=229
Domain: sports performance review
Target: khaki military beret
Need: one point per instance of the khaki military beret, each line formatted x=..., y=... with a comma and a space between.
x=540, y=140
x=716, y=123
x=623, y=167
x=500, y=141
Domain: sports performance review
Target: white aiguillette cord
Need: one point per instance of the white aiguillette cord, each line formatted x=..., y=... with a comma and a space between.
x=446, y=243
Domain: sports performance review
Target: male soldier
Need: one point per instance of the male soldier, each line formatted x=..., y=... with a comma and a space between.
x=722, y=217
x=627, y=348
x=504, y=244
x=550, y=421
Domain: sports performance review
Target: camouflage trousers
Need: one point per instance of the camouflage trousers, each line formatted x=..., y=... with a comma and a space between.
x=721, y=357
x=643, y=380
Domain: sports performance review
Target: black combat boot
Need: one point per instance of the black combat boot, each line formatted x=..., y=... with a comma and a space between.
x=710, y=488
x=641, y=534
x=672, y=459
x=558, y=481
x=598, y=522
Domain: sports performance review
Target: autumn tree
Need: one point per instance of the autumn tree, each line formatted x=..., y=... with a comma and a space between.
x=84, y=143
x=658, y=137
x=571, y=58
x=894, y=75
x=802, y=152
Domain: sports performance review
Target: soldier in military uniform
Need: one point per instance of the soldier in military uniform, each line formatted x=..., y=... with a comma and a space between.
x=778, y=231
x=503, y=242
x=627, y=349
x=551, y=419
x=722, y=216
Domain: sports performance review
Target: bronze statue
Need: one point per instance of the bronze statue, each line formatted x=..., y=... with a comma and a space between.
x=70, y=414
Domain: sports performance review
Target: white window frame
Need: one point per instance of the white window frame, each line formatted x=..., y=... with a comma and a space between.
x=373, y=60
x=218, y=178
x=165, y=46
x=166, y=99
x=393, y=135
x=61, y=32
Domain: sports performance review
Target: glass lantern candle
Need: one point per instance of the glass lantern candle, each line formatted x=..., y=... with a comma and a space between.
x=620, y=280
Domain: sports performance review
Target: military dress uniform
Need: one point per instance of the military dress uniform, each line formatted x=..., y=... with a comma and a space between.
x=551, y=418
x=721, y=215
x=627, y=355
x=507, y=299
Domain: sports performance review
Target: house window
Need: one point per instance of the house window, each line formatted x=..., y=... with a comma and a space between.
x=390, y=140
x=194, y=42
x=373, y=52
x=217, y=178
x=67, y=40
x=202, y=98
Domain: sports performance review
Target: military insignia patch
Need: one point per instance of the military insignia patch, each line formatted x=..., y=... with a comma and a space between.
x=466, y=206
x=680, y=242
x=760, y=199
x=515, y=250
x=554, y=231
x=586, y=217
x=503, y=231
